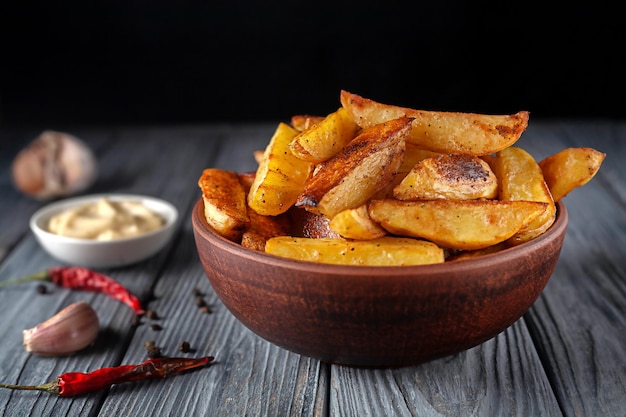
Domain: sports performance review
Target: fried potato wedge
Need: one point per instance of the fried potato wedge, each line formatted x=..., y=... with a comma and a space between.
x=307, y=224
x=456, y=224
x=384, y=251
x=324, y=139
x=302, y=122
x=356, y=224
x=569, y=169
x=445, y=132
x=280, y=176
x=261, y=228
x=521, y=178
x=224, y=200
x=361, y=169
x=452, y=176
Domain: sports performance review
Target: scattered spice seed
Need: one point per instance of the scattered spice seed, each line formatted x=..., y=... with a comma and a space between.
x=155, y=352
x=198, y=292
x=152, y=315
x=84, y=279
x=202, y=305
x=75, y=383
x=42, y=289
x=156, y=327
x=184, y=347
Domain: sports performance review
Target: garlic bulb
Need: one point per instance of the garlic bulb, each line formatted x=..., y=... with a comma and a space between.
x=54, y=165
x=70, y=330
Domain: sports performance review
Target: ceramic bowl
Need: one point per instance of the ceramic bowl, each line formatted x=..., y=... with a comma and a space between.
x=377, y=316
x=103, y=254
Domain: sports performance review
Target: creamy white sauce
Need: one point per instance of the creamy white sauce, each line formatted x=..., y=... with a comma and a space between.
x=106, y=220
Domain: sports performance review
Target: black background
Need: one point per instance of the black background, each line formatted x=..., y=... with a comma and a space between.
x=185, y=62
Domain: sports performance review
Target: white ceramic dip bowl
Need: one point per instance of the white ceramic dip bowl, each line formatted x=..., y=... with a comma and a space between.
x=104, y=253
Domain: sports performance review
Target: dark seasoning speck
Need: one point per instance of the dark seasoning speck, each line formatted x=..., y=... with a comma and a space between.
x=154, y=351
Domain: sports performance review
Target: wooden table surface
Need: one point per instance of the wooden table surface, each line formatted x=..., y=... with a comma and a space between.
x=566, y=356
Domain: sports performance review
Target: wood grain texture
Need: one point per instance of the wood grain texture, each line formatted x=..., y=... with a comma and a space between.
x=566, y=356
x=579, y=324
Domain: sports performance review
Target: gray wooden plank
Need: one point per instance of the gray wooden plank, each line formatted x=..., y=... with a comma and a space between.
x=502, y=377
x=165, y=169
x=579, y=323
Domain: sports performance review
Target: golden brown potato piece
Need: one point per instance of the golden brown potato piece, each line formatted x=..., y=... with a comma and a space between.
x=521, y=179
x=412, y=155
x=261, y=228
x=456, y=224
x=473, y=254
x=445, y=132
x=302, y=122
x=224, y=200
x=570, y=168
x=362, y=168
x=327, y=137
x=280, y=176
x=356, y=224
x=454, y=176
x=384, y=251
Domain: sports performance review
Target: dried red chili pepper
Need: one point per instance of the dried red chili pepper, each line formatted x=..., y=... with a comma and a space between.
x=84, y=279
x=76, y=383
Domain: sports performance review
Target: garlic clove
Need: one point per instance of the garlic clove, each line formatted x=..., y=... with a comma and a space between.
x=55, y=164
x=70, y=330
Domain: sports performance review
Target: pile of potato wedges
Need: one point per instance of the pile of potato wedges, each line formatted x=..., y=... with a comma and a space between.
x=379, y=185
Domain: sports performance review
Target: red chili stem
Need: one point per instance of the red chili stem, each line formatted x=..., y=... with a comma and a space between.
x=84, y=279
x=76, y=383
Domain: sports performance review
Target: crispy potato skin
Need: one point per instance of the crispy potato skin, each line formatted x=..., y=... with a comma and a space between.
x=364, y=167
x=455, y=176
x=456, y=224
x=224, y=199
x=569, y=169
x=521, y=179
x=261, y=228
x=445, y=132
x=307, y=224
x=412, y=155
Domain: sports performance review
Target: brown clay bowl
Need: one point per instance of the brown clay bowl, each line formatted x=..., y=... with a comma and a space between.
x=377, y=316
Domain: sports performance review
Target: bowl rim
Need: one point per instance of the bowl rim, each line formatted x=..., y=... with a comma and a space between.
x=201, y=226
x=164, y=208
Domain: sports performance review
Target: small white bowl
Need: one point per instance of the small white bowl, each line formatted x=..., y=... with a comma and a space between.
x=104, y=254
